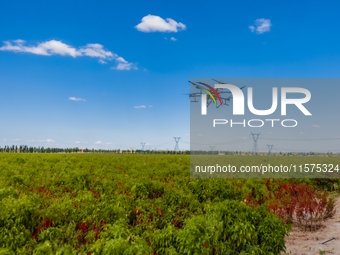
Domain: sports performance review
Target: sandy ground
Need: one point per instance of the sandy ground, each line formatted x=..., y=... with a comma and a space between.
x=301, y=242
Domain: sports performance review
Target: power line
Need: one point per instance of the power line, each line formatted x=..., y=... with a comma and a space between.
x=234, y=141
x=156, y=145
x=303, y=139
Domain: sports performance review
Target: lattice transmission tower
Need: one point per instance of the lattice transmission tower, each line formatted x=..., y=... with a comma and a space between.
x=255, y=145
x=176, y=143
x=270, y=147
x=143, y=145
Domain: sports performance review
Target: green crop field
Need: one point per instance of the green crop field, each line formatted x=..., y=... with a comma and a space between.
x=147, y=204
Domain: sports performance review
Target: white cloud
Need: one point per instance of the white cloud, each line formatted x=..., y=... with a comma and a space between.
x=96, y=50
x=150, y=106
x=77, y=141
x=58, y=48
x=98, y=142
x=108, y=143
x=54, y=47
x=44, y=141
x=153, y=23
x=140, y=106
x=122, y=64
x=261, y=26
x=19, y=41
x=47, y=48
x=78, y=99
x=316, y=126
x=125, y=66
x=171, y=38
x=121, y=60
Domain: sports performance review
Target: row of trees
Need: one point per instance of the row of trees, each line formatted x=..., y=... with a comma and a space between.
x=30, y=149
x=27, y=149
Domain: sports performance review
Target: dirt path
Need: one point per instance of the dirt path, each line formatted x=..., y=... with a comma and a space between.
x=309, y=243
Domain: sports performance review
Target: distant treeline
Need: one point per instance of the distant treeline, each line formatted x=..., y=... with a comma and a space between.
x=30, y=149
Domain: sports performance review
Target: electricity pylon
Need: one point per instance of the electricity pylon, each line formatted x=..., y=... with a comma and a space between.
x=143, y=145
x=176, y=145
x=270, y=147
x=255, y=146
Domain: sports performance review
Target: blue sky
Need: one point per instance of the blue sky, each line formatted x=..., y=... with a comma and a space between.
x=112, y=74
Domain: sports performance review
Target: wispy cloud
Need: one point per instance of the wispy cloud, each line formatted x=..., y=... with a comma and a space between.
x=122, y=64
x=54, y=47
x=153, y=23
x=98, y=142
x=261, y=26
x=96, y=50
x=140, y=106
x=47, y=48
x=316, y=126
x=43, y=141
x=171, y=38
x=78, y=99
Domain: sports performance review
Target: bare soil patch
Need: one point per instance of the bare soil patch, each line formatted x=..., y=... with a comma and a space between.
x=301, y=242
